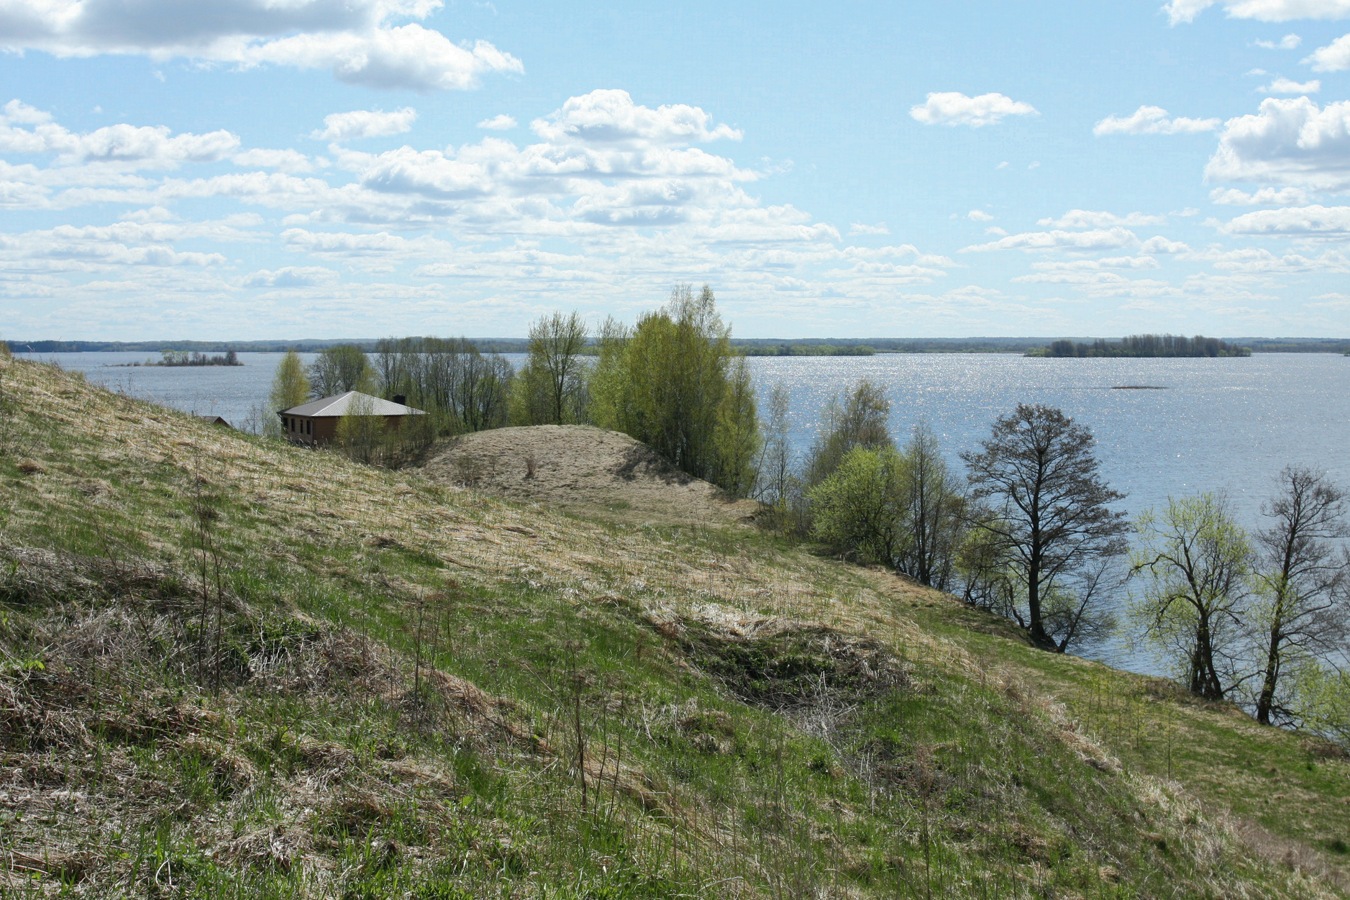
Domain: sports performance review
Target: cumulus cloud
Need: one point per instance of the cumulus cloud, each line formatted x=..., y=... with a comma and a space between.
x=611, y=117
x=1289, y=86
x=979, y=215
x=365, y=123
x=1179, y=11
x=955, y=108
x=1298, y=221
x=26, y=130
x=1290, y=142
x=858, y=228
x=355, y=39
x=501, y=122
x=1335, y=57
x=1152, y=120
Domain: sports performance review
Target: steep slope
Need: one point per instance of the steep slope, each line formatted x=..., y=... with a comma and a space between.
x=234, y=668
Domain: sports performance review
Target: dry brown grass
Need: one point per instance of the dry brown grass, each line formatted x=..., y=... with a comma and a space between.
x=317, y=515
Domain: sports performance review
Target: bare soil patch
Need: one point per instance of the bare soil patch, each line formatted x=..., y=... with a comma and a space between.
x=584, y=470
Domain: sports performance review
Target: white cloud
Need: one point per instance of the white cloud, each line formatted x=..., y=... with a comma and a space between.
x=1289, y=142
x=501, y=122
x=1283, y=85
x=1262, y=10
x=356, y=39
x=979, y=215
x=1100, y=239
x=1288, y=42
x=1159, y=244
x=1297, y=221
x=1262, y=197
x=1084, y=218
x=290, y=161
x=1334, y=57
x=954, y=108
x=611, y=117
x=858, y=228
x=1152, y=120
x=365, y=123
x=291, y=277
x=26, y=130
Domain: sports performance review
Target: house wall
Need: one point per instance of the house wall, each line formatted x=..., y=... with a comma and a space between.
x=323, y=429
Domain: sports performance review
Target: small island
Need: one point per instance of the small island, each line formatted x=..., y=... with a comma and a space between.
x=184, y=359
x=1143, y=346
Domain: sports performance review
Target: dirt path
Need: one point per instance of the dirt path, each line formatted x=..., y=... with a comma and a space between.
x=586, y=470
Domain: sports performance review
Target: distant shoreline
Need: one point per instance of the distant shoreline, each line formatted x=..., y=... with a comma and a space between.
x=833, y=346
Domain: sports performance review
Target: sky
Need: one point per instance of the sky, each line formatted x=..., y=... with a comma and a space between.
x=288, y=169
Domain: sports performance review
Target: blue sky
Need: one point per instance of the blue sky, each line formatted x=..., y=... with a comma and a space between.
x=248, y=169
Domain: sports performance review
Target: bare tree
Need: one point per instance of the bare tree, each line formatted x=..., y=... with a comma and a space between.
x=1047, y=512
x=340, y=368
x=934, y=512
x=1302, y=611
x=1197, y=562
x=550, y=388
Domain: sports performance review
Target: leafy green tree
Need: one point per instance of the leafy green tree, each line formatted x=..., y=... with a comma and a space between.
x=341, y=368
x=672, y=383
x=1046, y=513
x=857, y=510
x=1301, y=609
x=290, y=387
x=550, y=389
x=1195, y=562
x=1323, y=693
x=860, y=419
x=360, y=432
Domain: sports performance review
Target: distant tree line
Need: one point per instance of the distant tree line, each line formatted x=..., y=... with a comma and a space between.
x=1146, y=346
x=804, y=348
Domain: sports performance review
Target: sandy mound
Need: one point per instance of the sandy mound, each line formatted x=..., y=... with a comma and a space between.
x=583, y=469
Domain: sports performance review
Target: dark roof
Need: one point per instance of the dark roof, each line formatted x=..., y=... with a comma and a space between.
x=350, y=403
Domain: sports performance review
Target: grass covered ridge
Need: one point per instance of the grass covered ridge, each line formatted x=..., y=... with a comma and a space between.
x=230, y=667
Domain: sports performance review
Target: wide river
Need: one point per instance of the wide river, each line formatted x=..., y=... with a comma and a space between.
x=1225, y=425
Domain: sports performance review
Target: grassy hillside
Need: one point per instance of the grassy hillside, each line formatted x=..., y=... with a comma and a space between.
x=233, y=668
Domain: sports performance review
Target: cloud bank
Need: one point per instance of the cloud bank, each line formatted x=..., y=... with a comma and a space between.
x=357, y=40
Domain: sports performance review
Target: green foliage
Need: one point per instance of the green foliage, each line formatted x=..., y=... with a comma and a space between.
x=860, y=419
x=1323, y=701
x=1195, y=562
x=857, y=509
x=290, y=387
x=674, y=383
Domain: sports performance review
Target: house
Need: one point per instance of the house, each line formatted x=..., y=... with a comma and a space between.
x=316, y=422
x=215, y=420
